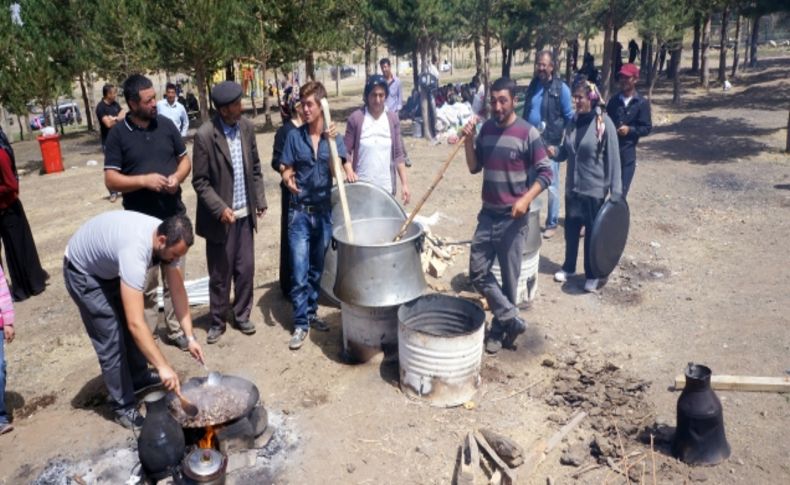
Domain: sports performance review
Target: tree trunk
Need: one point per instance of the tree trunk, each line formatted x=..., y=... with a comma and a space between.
x=478, y=56
x=651, y=68
x=735, y=48
x=725, y=18
x=309, y=66
x=415, y=72
x=427, y=130
x=277, y=90
x=267, y=104
x=23, y=126
x=652, y=76
x=617, y=57
x=695, y=45
x=606, y=67
x=368, y=52
x=787, y=140
x=452, y=57
x=575, y=53
x=586, y=45
x=338, y=75
x=705, y=74
x=486, y=58
x=87, y=103
x=200, y=80
x=643, y=57
x=568, y=61
x=747, y=24
x=753, y=46
x=505, y=67
x=675, y=60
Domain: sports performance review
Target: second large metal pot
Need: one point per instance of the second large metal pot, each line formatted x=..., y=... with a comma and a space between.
x=374, y=271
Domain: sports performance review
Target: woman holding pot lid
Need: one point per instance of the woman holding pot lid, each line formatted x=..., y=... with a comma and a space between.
x=590, y=146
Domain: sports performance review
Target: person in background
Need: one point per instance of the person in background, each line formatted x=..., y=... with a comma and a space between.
x=229, y=185
x=373, y=141
x=394, y=97
x=548, y=103
x=7, y=336
x=308, y=175
x=630, y=113
x=593, y=172
x=290, y=111
x=171, y=109
x=506, y=150
x=146, y=159
x=28, y=278
x=109, y=113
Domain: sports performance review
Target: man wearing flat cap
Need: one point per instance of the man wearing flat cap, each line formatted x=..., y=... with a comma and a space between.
x=630, y=113
x=228, y=181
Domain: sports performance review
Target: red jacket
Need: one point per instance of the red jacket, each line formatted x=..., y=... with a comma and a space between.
x=9, y=184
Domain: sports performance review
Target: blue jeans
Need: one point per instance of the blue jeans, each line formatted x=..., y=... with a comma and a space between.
x=553, y=214
x=3, y=413
x=308, y=237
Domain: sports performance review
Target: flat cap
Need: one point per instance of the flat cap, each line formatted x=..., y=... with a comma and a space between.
x=225, y=93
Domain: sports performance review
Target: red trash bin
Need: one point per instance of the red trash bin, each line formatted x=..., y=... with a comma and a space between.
x=50, y=153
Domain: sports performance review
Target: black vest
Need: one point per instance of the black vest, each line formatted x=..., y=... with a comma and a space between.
x=550, y=109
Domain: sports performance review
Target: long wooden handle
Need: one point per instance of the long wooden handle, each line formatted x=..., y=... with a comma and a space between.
x=436, y=180
x=338, y=173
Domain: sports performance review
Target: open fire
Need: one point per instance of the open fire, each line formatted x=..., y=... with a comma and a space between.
x=208, y=440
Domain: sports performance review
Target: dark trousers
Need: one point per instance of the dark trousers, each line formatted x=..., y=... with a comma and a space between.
x=498, y=235
x=231, y=261
x=309, y=234
x=101, y=309
x=628, y=170
x=28, y=278
x=580, y=211
x=285, y=250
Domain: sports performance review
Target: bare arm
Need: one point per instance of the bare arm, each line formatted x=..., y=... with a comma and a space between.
x=469, y=131
x=175, y=281
x=404, y=184
x=132, y=300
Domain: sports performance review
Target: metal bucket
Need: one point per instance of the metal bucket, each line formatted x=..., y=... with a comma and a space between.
x=374, y=271
x=527, y=286
x=369, y=331
x=365, y=201
x=440, y=347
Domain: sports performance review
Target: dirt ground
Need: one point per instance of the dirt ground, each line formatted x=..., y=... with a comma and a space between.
x=704, y=278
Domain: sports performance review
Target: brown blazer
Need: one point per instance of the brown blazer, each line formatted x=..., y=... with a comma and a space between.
x=212, y=177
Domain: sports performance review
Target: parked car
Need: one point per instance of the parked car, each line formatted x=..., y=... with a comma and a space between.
x=345, y=71
x=68, y=113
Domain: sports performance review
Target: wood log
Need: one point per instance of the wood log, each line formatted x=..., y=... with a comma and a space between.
x=510, y=451
x=742, y=383
x=509, y=474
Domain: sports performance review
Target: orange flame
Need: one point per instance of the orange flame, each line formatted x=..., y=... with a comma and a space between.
x=208, y=440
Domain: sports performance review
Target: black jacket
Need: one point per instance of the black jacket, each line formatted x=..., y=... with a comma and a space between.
x=550, y=109
x=636, y=116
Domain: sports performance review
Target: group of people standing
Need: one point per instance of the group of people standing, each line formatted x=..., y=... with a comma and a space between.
x=521, y=157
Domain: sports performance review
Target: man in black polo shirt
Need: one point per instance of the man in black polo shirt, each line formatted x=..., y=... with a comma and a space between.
x=146, y=160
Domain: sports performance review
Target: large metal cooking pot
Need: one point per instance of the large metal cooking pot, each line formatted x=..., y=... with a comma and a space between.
x=374, y=271
x=534, y=238
x=199, y=392
x=365, y=201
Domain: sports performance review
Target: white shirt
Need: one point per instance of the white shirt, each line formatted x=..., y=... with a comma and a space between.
x=374, y=163
x=176, y=113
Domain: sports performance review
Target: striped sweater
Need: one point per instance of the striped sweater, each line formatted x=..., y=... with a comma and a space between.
x=506, y=154
x=6, y=303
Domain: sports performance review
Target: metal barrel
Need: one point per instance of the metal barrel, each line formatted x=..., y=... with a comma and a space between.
x=527, y=286
x=368, y=331
x=440, y=347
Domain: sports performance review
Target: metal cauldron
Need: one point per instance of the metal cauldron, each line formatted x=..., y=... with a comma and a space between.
x=374, y=271
x=365, y=201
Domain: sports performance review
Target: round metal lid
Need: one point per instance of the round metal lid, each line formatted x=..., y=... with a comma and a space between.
x=204, y=463
x=608, y=238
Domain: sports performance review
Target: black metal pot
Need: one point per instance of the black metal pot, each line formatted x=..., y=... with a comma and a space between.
x=699, y=437
x=160, y=445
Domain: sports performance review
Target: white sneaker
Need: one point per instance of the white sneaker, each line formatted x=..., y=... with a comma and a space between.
x=591, y=286
x=561, y=276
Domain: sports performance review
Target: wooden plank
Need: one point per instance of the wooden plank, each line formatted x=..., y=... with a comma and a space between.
x=557, y=438
x=742, y=383
x=510, y=474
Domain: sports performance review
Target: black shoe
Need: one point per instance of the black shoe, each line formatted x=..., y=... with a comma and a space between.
x=181, y=342
x=513, y=328
x=298, y=338
x=129, y=418
x=214, y=333
x=148, y=380
x=318, y=324
x=494, y=338
x=246, y=327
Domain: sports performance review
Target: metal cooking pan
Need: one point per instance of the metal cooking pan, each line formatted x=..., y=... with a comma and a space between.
x=196, y=387
x=608, y=238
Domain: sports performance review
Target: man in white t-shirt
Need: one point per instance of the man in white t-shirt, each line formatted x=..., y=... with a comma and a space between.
x=373, y=141
x=104, y=268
